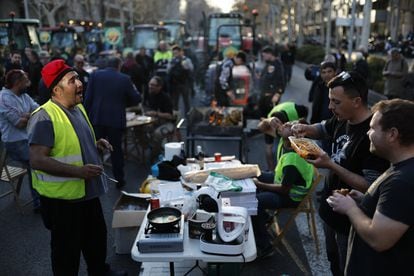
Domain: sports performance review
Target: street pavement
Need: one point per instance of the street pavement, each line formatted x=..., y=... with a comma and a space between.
x=24, y=242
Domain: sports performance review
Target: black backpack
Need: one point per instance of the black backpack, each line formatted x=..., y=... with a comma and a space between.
x=178, y=73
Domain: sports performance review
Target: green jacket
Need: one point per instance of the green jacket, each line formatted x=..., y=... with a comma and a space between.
x=288, y=108
x=66, y=149
x=297, y=192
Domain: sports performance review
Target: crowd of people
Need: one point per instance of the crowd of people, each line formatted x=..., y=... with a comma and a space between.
x=59, y=120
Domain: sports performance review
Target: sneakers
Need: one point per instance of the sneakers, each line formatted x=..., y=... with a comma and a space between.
x=265, y=252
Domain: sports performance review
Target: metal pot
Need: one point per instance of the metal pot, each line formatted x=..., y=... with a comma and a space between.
x=164, y=218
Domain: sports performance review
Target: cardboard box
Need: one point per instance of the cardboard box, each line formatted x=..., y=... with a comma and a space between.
x=129, y=212
x=124, y=239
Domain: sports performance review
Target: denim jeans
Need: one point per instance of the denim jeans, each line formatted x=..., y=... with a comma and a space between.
x=267, y=200
x=19, y=151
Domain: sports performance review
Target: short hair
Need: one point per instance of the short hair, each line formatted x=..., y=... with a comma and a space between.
x=12, y=77
x=14, y=52
x=176, y=47
x=113, y=62
x=269, y=50
x=352, y=82
x=242, y=56
x=281, y=115
x=79, y=58
x=159, y=80
x=328, y=64
x=302, y=111
x=399, y=114
x=395, y=50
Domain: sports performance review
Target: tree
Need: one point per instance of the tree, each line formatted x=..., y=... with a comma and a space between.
x=50, y=8
x=193, y=14
x=366, y=24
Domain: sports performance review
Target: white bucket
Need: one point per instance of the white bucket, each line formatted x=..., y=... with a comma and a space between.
x=171, y=149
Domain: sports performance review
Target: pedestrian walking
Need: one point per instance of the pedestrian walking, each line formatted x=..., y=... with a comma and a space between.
x=147, y=66
x=223, y=90
x=161, y=59
x=179, y=74
x=272, y=88
x=288, y=58
x=134, y=70
x=394, y=73
x=78, y=64
x=108, y=95
x=320, y=94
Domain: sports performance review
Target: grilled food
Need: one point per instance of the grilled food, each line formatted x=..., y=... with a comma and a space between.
x=343, y=192
x=306, y=148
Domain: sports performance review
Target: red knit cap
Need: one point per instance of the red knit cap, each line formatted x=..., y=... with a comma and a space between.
x=54, y=71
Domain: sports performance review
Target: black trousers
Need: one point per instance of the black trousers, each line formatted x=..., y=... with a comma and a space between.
x=75, y=227
x=114, y=137
x=176, y=91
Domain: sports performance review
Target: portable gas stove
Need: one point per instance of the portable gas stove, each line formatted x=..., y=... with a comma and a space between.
x=154, y=240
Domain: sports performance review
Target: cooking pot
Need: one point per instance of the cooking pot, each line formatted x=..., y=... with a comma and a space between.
x=164, y=218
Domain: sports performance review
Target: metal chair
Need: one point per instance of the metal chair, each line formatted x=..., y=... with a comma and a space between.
x=13, y=176
x=305, y=206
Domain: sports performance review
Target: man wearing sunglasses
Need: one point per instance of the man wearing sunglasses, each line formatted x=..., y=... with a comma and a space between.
x=351, y=165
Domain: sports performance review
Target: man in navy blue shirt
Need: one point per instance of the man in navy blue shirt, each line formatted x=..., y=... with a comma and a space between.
x=108, y=94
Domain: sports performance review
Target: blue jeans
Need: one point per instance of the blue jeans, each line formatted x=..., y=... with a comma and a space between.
x=267, y=200
x=19, y=151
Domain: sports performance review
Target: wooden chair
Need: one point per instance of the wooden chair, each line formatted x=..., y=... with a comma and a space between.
x=13, y=176
x=175, y=135
x=305, y=206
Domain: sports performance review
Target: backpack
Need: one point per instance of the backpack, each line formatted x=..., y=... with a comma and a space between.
x=178, y=73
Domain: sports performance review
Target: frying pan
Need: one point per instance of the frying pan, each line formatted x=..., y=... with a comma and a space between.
x=162, y=212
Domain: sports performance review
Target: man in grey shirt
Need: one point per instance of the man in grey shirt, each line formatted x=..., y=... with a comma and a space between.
x=67, y=173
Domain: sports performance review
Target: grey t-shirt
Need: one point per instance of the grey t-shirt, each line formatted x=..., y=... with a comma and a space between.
x=40, y=130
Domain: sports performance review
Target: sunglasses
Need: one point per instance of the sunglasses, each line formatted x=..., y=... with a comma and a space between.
x=345, y=76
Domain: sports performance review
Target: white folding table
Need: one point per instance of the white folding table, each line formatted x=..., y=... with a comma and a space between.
x=192, y=251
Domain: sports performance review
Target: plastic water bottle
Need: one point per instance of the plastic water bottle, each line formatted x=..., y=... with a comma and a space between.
x=182, y=153
x=200, y=156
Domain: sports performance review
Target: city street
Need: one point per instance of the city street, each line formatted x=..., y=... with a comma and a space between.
x=25, y=241
x=173, y=67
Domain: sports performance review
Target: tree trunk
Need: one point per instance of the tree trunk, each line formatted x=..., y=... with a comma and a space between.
x=395, y=19
x=366, y=25
x=299, y=18
x=328, y=28
x=289, y=21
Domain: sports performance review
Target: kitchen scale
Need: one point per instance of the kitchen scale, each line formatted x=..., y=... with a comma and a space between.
x=154, y=240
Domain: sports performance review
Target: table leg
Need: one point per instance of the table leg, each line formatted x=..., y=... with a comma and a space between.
x=195, y=266
x=172, y=269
